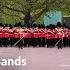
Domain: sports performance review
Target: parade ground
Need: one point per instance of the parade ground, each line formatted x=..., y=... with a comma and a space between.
x=38, y=58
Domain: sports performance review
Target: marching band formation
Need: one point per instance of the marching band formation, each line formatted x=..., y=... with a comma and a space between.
x=26, y=37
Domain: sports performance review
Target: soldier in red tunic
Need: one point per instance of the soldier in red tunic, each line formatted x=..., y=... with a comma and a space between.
x=60, y=36
x=1, y=36
x=6, y=36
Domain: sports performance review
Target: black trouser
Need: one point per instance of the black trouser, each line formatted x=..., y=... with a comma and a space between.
x=60, y=44
x=41, y=42
x=20, y=43
x=65, y=41
x=50, y=42
x=34, y=42
x=69, y=42
x=12, y=41
x=25, y=42
x=29, y=41
x=5, y=42
x=1, y=42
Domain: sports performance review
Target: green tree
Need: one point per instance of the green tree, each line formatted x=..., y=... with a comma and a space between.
x=31, y=10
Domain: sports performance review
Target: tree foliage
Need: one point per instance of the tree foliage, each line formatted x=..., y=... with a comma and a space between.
x=12, y=11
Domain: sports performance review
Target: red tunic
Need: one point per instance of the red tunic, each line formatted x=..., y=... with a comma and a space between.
x=21, y=35
x=36, y=35
x=26, y=35
x=11, y=35
x=1, y=35
x=49, y=36
x=16, y=35
x=6, y=35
